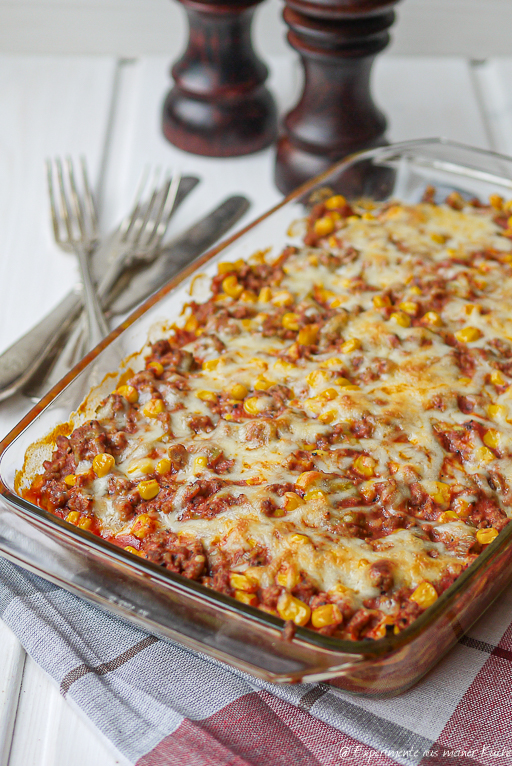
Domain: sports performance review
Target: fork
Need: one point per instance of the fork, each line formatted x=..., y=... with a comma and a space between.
x=139, y=237
x=75, y=229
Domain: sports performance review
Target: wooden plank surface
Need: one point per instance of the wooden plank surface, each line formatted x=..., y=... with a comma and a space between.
x=117, y=126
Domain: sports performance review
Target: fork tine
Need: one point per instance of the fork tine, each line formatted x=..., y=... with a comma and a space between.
x=158, y=209
x=63, y=199
x=89, y=200
x=77, y=208
x=167, y=212
x=128, y=223
x=53, y=205
x=149, y=208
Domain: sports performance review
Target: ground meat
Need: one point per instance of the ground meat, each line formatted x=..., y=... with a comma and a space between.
x=54, y=495
x=186, y=558
x=178, y=456
x=260, y=432
x=301, y=461
x=63, y=460
x=80, y=501
x=269, y=596
x=199, y=423
x=88, y=441
x=381, y=575
x=408, y=611
x=487, y=513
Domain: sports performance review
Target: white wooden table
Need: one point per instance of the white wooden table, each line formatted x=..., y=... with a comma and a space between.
x=110, y=111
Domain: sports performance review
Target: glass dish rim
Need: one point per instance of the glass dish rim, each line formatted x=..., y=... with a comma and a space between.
x=377, y=647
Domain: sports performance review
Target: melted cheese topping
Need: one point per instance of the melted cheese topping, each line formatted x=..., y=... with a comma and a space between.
x=351, y=406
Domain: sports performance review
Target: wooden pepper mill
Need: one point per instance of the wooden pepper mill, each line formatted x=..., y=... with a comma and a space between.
x=337, y=41
x=219, y=105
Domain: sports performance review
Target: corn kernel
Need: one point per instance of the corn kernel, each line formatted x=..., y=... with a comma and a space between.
x=238, y=391
x=148, y=489
x=465, y=381
x=191, y=325
x=329, y=394
x=353, y=344
x=73, y=517
x=327, y=417
x=424, y=595
x=468, y=334
x=129, y=392
x=326, y=615
x=226, y=267
x=132, y=550
x=289, y=321
x=281, y=365
x=85, y=523
x=433, y=319
x=409, y=307
x=283, y=298
x=307, y=478
x=484, y=455
x=497, y=378
x=290, y=608
x=486, y=536
x=447, y=516
x=492, y=438
x=401, y=319
x=315, y=494
x=308, y=335
x=318, y=378
x=153, y=408
x=333, y=362
x=240, y=581
x=70, y=480
x=207, y=396
x=210, y=364
x=248, y=296
x=200, y=463
x=496, y=201
x=338, y=200
x=496, y=411
x=265, y=295
x=103, y=464
x=288, y=577
x=231, y=287
x=324, y=226
x=291, y=501
x=365, y=465
x=253, y=405
x=157, y=367
x=381, y=301
x=439, y=238
x=246, y=598
x=299, y=539
x=163, y=466
x=461, y=507
x=415, y=290
x=143, y=524
x=262, y=383
x=145, y=465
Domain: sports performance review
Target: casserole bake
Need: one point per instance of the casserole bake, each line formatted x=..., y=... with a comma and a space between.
x=331, y=380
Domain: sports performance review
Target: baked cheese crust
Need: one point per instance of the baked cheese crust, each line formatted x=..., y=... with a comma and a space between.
x=328, y=436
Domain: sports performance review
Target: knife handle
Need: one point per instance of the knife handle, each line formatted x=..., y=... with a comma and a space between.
x=22, y=358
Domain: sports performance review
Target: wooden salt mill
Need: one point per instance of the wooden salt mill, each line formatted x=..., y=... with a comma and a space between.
x=337, y=41
x=219, y=105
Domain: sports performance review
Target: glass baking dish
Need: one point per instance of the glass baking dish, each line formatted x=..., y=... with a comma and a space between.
x=173, y=607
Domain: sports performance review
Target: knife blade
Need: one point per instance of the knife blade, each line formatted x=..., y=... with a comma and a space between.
x=172, y=258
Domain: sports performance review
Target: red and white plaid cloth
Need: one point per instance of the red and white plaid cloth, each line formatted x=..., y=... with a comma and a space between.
x=160, y=704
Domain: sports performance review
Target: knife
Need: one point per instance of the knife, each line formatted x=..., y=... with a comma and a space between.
x=24, y=357
x=173, y=257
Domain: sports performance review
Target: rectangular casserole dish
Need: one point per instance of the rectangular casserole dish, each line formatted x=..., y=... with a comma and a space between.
x=183, y=610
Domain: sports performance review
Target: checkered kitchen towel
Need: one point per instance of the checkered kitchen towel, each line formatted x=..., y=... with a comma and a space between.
x=160, y=704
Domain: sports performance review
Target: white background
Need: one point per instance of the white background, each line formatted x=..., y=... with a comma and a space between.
x=472, y=28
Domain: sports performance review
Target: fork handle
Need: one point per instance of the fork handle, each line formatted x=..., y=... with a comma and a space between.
x=97, y=327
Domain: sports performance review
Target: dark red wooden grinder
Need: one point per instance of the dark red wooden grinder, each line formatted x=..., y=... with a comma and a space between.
x=219, y=105
x=337, y=41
